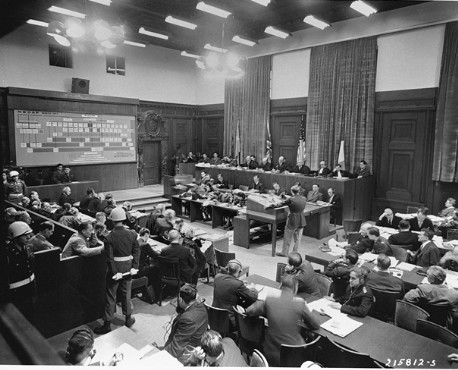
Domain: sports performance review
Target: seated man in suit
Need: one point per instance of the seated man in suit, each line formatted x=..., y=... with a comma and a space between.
x=191, y=158
x=336, y=204
x=163, y=225
x=388, y=219
x=65, y=196
x=339, y=272
x=339, y=172
x=220, y=182
x=381, y=245
x=381, y=279
x=249, y=163
x=301, y=168
x=215, y=160
x=277, y=190
x=230, y=291
x=428, y=254
x=187, y=262
x=257, y=185
x=435, y=293
x=281, y=166
x=449, y=260
x=324, y=170
x=363, y=170
x=304, y=274
x=314, y=195
x=266, y=165
x=254, y=162
x=421, y=221
x=57, y=176
x=449, y=210
x=204, y=159
x=405, y=236
x=364, y=244
x=78, y=244
x=190, y=324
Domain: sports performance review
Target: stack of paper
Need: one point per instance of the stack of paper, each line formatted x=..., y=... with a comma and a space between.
x=265, y=291
x=323, y=306
x=341, y=326
x=368, y=257
x=406, y=266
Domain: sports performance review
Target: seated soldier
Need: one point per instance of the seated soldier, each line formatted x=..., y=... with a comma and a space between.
x=381, y=245
x=304, y=274
x=339, y=271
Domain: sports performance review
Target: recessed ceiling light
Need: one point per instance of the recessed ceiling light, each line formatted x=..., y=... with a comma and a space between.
x=37, y=23
x=262, y=2
x=103, y=2
x=215, y=48
x=212, y=10
x=140, y=45
x=276, y=32
x=363, y=8
x=243, y=41
x=57, y=9
x=180, y=22
x=310, y=19
x=143, y=31
x=189, y=55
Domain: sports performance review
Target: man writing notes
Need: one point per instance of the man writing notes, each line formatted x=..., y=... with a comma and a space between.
x=295, y=223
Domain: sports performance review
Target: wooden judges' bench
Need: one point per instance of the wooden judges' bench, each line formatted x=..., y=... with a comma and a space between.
x=54, y=191
x=356, y=194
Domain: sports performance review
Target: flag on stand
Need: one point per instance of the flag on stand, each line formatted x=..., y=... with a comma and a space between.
x=341, y=159
x=268, y=143
x=300, y=160
x=237, y=143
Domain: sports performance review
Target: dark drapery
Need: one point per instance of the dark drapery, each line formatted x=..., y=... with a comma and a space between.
x=247, y=104
x=446, y=139
x=341, y=102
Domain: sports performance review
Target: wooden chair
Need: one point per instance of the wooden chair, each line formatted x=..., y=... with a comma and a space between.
x=222, y=259
x=324, y=284
x=280, y=270
x=434, y=331
x=331, y=354
x=438, y=314
x=258, y=360
x=407, y=314
x=296, y=355
x=384, y=306
x=218, y=319
x=139, y=284
x=399, y=252
x=251, y=332
x=170, y=274
x=452, y=234
x=351, y=225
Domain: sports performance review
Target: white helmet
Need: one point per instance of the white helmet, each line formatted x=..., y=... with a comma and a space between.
x=14, y=173
x=18, y=228
x=117, y=214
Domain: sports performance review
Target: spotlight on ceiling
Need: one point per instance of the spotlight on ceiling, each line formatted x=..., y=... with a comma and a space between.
x=310, y=19
x=103, y=2
x=75, y=28
x=243, y=41
x=363, y=8
x=215, y=48
x=276, y=32
x=180, y=22
x=133, y=43
x=262, y=2
x=158, y=35
x=212, y=9
x=71, y=13
x=189, y=55
x=102, y=30
x=37, y=23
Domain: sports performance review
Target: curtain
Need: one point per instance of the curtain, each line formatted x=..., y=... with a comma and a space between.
x=247, y=105
x=446, y=139
x=341, y=102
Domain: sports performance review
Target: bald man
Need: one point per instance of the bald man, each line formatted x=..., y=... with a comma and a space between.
x=230, y=291
x=449, y=260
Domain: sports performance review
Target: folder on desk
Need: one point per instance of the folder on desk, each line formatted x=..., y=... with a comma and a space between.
x=341, y=326
x=265, y=291
x=406, y=266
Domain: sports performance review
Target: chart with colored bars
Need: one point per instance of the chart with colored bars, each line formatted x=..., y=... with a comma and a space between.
x=47, y=138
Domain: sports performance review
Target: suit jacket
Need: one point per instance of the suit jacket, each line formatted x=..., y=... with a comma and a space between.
x=282, y=167
x=303, y=169
x=278, y=192
x=187, y=329
x=427, y=224
x=336, y=202
x=357, y=302
x=383, y=280
x=447, y=212
x=306, y=279
x=259, y=186
x=405, y=238
x=381, y=245
x=363, y=245
x=427, y=256
x=283, y=314
x=266, y=167
x=323, y=171
x=343, y=173
x=188, y=263
x=313, y=196
x=296, y=217
x=384, y=222
x=363, y=172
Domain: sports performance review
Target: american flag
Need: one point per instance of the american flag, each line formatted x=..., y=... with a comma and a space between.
x=301, y=146
x=268, y=143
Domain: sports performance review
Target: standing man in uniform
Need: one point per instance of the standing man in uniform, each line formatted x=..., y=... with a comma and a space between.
x=123, y=257
x=20, y=262
x=295, y=223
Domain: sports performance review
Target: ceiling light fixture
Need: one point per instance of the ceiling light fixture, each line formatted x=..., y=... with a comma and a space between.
x=262, y=2
x=215, y=48
x=133, y=43
x=180, y=22
x=276, y=32
x=57, y=9
x=310, y=19
x=243, y=41
x=37, y=23
x=212, y=10
x=75, y=28
x=143, y=31
x=62, y=40
x=103, y=2
x=363, y=8
x=189, y=55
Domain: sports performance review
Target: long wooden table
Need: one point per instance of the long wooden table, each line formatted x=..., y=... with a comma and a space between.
x=356, y=194
x=54, y=191
x=384, y=342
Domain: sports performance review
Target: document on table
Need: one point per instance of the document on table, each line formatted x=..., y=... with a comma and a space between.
x=266, y=291
x=406, y=266
x=323, y=305
x=341, y=326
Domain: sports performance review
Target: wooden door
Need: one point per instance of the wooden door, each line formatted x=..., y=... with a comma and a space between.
x=285, y=137
x=402, y=151
x=212, y=136
x=151, y=162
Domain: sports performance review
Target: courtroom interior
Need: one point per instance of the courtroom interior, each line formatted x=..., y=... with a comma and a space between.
x=233, y=183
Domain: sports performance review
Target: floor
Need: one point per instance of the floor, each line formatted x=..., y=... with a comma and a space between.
x=152, y=320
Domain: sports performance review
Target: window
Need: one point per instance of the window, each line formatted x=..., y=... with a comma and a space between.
x=60, y=56
x=116, y=65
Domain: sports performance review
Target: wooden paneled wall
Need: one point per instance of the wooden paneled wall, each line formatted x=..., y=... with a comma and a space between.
x=210, y=129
